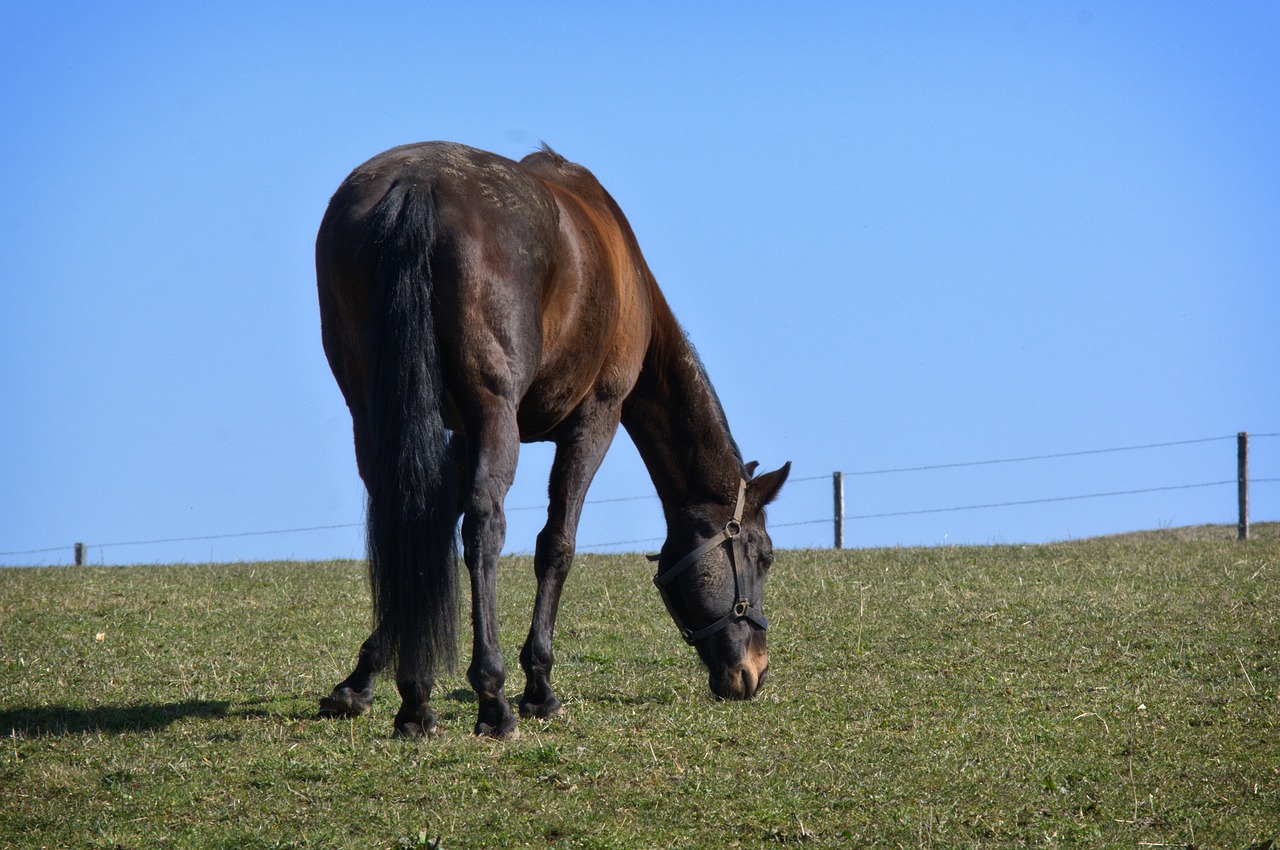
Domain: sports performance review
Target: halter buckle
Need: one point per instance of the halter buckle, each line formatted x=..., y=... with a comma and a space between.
x=741, y=607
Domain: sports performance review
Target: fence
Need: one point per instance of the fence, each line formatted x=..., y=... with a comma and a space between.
x=1241, y=482
x=839, y=516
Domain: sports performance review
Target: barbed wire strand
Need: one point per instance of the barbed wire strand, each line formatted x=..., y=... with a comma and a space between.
x=1026, y=458
x=543, y=506
x=191, y=539
x=1054, y=456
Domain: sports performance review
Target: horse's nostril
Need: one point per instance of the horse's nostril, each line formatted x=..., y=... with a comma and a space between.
x=740, y=681
x=733, y=684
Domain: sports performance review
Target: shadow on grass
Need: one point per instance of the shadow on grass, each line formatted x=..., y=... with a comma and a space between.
x=53, y=720
x=462, y=695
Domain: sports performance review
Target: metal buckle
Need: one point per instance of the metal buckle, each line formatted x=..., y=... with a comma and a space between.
x=741, y=607
x=732, y=529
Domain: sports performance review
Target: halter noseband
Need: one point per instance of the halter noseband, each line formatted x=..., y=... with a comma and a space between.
x=742, y=607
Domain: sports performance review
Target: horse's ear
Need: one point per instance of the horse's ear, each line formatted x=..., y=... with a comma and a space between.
x=764, y=488
x=750, y=468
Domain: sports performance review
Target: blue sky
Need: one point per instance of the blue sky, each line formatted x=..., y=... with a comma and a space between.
x=900, y=235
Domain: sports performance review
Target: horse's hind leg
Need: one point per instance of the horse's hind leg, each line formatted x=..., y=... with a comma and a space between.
x=577, y=459
x=353, y=696
x=416, y=716
x=484, y=527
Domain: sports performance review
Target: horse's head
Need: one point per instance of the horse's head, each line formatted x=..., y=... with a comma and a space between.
x=711, y=575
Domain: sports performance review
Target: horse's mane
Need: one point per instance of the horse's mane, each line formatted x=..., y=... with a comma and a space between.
x=681, y=353
x=545, y=148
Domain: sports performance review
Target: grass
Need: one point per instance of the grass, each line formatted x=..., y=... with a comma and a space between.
x=1093, y=693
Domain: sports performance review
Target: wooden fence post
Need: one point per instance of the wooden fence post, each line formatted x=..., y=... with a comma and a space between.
x=80, y=547
x=1242, y=483
x=837, y=484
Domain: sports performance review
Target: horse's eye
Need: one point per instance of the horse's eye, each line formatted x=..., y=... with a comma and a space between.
x=766, y=560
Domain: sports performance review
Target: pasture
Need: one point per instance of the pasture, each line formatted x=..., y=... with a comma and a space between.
x=1110, y=692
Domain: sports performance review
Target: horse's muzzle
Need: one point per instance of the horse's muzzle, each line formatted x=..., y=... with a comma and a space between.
x=741, y=681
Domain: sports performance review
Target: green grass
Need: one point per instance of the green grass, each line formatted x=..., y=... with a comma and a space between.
x=1111, y=692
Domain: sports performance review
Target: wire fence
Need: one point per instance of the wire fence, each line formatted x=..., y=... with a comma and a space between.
x=1020, y=503
x=838, y=518
x=842, y=516
x=1054, y=456
x=196, y=539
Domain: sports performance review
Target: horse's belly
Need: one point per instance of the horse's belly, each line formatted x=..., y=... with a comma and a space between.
x=548, y=404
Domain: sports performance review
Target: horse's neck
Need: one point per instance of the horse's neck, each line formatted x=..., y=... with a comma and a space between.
x=676, y=422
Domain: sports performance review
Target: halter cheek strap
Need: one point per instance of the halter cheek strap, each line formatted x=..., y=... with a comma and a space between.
x=742, y=607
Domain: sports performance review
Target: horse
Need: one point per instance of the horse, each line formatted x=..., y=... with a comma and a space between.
x=468, y=303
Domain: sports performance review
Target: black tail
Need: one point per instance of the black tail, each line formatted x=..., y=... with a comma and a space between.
x=410, y=476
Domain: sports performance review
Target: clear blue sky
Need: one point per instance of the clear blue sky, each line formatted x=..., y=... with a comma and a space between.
x=900, y=235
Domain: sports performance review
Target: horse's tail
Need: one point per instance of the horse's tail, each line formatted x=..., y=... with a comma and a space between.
x=410, y=475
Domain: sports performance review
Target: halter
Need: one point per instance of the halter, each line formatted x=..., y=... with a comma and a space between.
x=742, y=607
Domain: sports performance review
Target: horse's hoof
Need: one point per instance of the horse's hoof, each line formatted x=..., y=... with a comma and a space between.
x=506, y=730
x=409, y=729
x=344, y=702
x=419, y=723
x=542, y=711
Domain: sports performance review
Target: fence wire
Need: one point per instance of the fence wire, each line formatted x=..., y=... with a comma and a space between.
x=828, y=519
x=1025, y=502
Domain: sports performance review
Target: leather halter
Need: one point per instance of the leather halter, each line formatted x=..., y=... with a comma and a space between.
x=742, y=607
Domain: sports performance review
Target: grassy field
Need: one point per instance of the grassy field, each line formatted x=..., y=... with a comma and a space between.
x=1112, y=692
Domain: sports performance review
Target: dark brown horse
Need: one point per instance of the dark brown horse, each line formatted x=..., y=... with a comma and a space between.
x=468, y=303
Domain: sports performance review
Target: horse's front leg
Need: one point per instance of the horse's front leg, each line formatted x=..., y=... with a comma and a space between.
x=484, y=529
x=577, y=459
